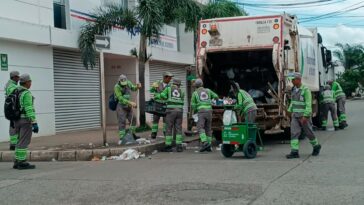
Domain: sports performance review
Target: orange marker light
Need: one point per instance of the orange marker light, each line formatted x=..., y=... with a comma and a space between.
x=276, y=26
x=204, y=31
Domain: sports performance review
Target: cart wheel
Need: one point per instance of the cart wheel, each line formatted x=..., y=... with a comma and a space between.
x=250, y=149
x=227, y=150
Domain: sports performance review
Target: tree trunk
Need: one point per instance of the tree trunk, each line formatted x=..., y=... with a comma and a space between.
x=142, y=59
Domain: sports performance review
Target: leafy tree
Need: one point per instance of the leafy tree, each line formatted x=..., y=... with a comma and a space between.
x=352, y=57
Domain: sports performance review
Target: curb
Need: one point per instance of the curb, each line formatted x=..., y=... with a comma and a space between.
x=79, y=155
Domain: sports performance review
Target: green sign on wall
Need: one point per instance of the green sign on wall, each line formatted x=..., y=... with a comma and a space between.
x=4, y=62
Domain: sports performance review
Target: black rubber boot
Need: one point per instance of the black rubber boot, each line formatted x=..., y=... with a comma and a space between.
x=316, y=150
x=209, y=149
x=179, y=148
x=12, y=147
x=323, y=128
x=294, y=154
x=153, y=135
x=337, y=128
x=168, y=148
x=205, y=147
x=23, y=165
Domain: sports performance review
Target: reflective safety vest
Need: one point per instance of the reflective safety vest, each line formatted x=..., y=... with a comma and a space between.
x=328, y=96
x=123, y=93
x=175, y=97
x=338, y=91
x=245, y=101
x=301, y=102
x=203, y=99
x=157, y=88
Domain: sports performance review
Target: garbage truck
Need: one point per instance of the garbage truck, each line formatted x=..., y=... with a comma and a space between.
x=258, y=52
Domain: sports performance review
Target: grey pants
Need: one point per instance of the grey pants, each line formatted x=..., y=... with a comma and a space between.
x=250, y=116
x=341, y=107
x=12, y=133
x=204, y=122
x=174, y=120
x=297, y=127
x=325, y=111
x=24, y=129
x=123, y=114
x=156, y=119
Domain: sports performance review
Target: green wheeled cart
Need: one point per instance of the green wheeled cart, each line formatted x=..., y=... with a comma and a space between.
x=240, y=137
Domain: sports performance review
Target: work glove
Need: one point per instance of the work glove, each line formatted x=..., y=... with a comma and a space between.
x=133, y=104
x=139, y=85
x=35, y=127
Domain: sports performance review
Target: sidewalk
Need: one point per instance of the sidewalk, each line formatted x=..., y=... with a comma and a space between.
x=81, y=146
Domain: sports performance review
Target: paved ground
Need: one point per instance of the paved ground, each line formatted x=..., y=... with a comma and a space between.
x=335, y=177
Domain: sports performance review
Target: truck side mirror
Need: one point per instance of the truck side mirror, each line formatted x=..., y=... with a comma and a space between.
x=328, y=56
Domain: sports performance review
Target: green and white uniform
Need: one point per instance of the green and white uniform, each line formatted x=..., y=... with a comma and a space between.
x=201, y=104
x=23, y=127
x=124, y=111
x=328, y=101
x=246, y=106
x=9, y=88
x=157, y=88
x=340, y=98
x=174, y=113
x=301, y=106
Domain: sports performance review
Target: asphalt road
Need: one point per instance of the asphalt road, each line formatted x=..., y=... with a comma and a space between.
x=334, y=177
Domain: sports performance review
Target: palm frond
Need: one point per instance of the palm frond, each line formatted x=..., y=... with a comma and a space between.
x=151, y=15
x=222, y=8
x=107, y=18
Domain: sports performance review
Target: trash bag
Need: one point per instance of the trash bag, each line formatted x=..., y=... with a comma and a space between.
x=195, y=117
x=128, y=139
x=229, y=117
x=130, y=154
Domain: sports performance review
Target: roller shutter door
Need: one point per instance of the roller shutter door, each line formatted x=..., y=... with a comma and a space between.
x=156, y=70
x=77, y=92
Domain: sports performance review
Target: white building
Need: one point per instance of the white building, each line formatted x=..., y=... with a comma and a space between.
x=40, y=38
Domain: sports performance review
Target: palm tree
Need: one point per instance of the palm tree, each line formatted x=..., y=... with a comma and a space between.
x=148, y=17
x=351, y=56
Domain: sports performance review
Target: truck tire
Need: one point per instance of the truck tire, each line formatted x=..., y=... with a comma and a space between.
x=227, y=150
x=250, y=149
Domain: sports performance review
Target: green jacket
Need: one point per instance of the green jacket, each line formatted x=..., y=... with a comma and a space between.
x=10, y=87
x=201, y=99
x=245, y=102
x=301, y=102
x=174, y=97
x=122, y=93
x=327, y=96
x=26, y=101
x=338, y=91
x=157, y=88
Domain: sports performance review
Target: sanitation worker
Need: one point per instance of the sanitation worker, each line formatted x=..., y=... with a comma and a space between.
x=201, y=104
x=301, y=109
x=174, y=97
x=328, y=104
x=157, y=88
x=26, y=124
x=122, y=91
x=340, y=98
x=10, y=86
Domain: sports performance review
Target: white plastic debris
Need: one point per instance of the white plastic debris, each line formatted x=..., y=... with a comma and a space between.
x=154, y=152
x=143, y=141
x=130, y=154
x=54, y=160
x=218, y=148
x=103, y=158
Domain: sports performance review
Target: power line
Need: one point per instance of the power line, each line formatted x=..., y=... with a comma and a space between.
x=289, y=4
x=335, y=13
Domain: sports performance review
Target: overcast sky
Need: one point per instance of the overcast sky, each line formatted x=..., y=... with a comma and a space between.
x=342, y=26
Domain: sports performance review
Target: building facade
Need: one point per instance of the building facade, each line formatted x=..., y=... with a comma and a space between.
x=40, y=37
